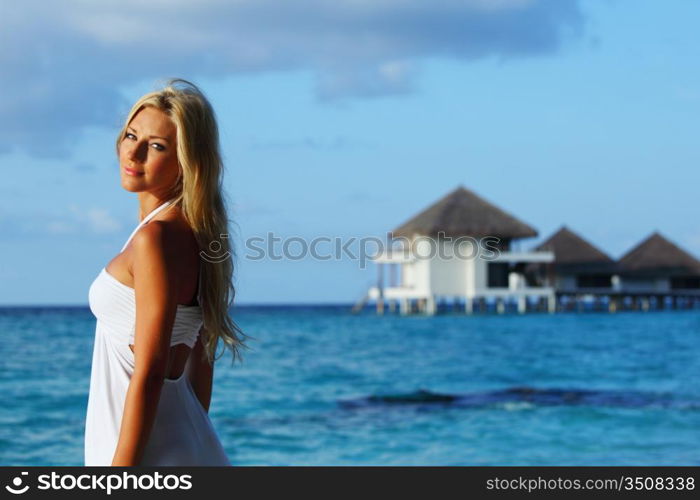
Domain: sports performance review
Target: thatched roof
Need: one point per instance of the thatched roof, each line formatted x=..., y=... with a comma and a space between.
x=657, y=254
x=463, y=213
x=575, y=254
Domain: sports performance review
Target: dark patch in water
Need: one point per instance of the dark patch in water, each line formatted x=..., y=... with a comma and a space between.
x=534, y=396
x=419, y=396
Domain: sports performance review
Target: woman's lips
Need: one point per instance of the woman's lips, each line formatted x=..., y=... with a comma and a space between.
x=133, y=172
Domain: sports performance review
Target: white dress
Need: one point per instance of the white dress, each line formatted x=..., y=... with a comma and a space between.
x=182, y=433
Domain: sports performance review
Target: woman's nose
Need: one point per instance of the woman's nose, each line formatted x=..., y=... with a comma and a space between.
x=136, y=152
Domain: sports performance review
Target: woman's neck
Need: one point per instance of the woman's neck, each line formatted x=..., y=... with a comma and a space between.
x=148, y=202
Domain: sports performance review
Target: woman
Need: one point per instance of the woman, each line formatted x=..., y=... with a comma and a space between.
x=162, y=303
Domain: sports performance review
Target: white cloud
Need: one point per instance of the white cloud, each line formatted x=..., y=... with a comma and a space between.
x=101, y=221
x=74, y=220
x=61, y=227
x=96, y=220
x=64, y=62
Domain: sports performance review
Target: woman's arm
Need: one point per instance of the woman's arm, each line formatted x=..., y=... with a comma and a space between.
x=155, y=285
x=200, y=373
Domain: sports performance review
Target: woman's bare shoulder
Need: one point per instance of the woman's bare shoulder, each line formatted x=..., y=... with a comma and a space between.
x=170, y=238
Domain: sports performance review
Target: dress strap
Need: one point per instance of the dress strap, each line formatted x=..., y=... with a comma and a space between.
x=145, y=220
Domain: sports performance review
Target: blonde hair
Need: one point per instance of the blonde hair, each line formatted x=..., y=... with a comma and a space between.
x=200, y=197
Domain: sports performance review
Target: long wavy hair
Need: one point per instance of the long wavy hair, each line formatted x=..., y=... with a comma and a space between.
x=198, y=192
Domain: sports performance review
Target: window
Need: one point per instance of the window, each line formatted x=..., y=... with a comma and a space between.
x=685, y=282
x=594, y=281
x=497, y=275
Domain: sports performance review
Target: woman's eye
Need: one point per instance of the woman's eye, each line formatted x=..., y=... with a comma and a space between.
x=129, y=135
x=158, y=147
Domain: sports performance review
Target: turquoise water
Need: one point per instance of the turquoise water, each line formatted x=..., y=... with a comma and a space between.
x=322, y=386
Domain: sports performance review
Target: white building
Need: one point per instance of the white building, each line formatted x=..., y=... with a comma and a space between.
x=459, y=251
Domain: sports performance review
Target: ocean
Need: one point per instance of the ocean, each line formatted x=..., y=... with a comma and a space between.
x=321, y=386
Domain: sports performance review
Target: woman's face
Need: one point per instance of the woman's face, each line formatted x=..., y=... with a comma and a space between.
x=148, y=153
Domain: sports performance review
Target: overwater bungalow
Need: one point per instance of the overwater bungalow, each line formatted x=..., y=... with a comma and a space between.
x=581, y=273
x=658, y=270
x=579, y=267
x=458, y=253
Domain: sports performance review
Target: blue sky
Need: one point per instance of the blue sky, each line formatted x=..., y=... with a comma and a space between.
x=346, y=118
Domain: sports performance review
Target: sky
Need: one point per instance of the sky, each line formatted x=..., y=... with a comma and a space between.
x=343, y=119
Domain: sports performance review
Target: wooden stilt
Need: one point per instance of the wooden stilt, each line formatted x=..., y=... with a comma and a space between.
x=500, y=306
